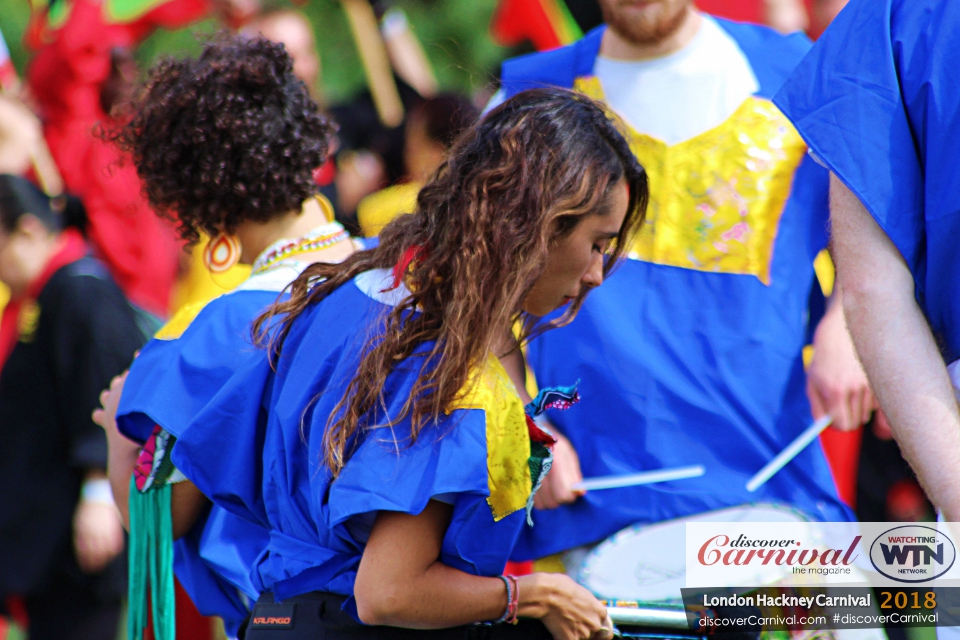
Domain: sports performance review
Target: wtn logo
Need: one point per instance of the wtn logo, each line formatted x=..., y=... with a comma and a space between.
x=896, y=554
x=912, y=553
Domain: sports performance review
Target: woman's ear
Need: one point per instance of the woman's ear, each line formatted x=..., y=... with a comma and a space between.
x=32, y=228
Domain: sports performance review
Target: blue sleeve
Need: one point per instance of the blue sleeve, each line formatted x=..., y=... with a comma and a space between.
x=555, y=68
x=864, y=100
x=221, y=450
x=171, y=380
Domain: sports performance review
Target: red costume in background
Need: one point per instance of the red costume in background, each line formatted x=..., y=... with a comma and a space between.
x=71, y=65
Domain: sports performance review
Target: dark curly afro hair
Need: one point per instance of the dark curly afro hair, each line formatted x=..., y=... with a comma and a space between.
x=228, y=137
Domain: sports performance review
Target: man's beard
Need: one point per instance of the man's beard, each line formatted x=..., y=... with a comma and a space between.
x=648, y=30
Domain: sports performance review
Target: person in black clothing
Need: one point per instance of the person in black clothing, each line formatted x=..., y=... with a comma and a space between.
x=66, y=331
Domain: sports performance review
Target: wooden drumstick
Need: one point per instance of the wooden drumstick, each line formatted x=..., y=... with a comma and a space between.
x=373, y=55
x=788, y=454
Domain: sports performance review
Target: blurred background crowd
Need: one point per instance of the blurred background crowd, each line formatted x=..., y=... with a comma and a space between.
x=401, y=80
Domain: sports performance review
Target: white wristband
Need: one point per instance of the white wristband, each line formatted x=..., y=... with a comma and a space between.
x=393, y=23
x=97, y=491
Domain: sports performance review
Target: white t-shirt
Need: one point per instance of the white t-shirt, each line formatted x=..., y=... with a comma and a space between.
x=683, y=94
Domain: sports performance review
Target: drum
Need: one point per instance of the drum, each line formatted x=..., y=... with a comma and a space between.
x=640, y=570
x=646, y=563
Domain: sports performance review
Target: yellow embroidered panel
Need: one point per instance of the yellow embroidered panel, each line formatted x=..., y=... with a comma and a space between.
x=716, y=199
x=180, y=321
x=508, y=441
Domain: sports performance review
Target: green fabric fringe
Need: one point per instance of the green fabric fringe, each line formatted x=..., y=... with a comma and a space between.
x=151, y=563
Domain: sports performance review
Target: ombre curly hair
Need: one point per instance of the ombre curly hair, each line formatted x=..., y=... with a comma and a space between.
x=228, y=137
x=525, y=176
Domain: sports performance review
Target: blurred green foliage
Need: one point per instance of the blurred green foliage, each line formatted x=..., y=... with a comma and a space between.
x=454, y=33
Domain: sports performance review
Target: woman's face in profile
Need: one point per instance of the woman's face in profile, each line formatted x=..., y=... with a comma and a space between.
x=575, y=261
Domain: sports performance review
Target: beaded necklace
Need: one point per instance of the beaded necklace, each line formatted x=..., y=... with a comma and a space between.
x=322, y=237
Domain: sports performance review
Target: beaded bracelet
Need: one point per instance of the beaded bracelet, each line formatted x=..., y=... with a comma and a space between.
x=514, y=605
x=506, y=612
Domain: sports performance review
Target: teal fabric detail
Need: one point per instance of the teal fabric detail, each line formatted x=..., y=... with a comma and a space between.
x=151, y=563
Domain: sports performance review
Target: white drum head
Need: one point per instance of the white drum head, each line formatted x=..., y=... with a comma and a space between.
x=646, y=562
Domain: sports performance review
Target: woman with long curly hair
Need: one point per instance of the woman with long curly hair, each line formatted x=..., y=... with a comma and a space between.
x=225, y=145
x=379, y=437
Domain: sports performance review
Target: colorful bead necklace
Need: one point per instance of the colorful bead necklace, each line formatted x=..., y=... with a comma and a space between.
x=320, y=238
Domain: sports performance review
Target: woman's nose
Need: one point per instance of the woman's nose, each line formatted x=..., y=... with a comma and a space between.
x=594, y=275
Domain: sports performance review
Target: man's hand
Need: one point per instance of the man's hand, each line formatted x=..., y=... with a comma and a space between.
x=836, y=383
x=565, y=472
x=97, y=535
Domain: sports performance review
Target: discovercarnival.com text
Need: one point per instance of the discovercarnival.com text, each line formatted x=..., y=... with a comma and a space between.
x=772, y=621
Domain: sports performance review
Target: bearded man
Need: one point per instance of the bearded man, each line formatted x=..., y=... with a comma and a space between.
x=692, y=353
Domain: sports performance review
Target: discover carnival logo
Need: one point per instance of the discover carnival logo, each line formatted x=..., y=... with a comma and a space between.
x=912, y=553
x=744, y=551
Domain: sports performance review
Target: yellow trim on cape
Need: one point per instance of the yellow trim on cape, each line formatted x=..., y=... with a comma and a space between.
x=717, y=198
x=180, y=321
x=508, y=441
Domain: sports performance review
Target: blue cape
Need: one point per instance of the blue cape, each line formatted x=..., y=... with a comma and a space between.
x=174, y=376
x=267, y=428
x=876, y=99
x=681, y=366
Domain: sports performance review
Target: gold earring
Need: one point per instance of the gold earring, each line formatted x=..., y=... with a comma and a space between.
x=326, y=207
x=221, y=253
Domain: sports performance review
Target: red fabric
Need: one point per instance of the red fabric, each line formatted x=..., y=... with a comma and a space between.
x=66, y=76
x=517, y=20
x=519, y=568
x=18, y=611
x=400, y=269
x=740, y=10
x=325, y=173
x=842, y=449
x=71, y=248
x=191, y=625
x=8, y=75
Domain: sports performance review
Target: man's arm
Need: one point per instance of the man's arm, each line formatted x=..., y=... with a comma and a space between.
x=836, y=383
x=897, y=349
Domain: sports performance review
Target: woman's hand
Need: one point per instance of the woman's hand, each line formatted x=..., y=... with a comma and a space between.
x=557, y=487
x=122, y=452
x=567, y=610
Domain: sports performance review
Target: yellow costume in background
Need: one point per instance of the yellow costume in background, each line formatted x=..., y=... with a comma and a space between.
x=199, y=285
x=376, y=210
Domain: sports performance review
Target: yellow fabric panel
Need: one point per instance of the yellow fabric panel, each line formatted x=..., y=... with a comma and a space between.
x=199, y=285
x=716, y=199
x=826, y=273
x=508, y=441
x=180, y=321
x=4, y=296
x=550, y=564
x=376, y=210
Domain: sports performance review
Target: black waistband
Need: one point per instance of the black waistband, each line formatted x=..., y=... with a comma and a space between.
x=317, y=614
